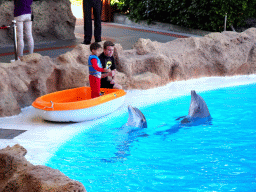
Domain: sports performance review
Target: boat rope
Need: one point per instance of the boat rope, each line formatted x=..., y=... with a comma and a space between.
x=49, y=107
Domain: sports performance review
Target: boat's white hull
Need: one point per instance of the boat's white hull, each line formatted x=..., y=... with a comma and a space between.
x=79, y=115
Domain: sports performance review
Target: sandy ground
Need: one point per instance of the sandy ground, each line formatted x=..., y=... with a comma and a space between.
x=43, y=138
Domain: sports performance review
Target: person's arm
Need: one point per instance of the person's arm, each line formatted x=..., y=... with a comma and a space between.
x=114, y=74
x=96, y=67
x=113, y=66
x=113, y=69
x=106, y=74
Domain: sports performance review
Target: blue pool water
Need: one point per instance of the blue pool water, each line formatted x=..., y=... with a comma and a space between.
x=216, y=156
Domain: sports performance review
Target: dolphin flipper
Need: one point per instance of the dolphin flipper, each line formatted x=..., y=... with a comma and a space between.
x=185, y=120
x=180, y=117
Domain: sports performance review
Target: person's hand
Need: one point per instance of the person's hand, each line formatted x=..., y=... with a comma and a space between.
x=109, y=74
x=112, y=82
x=104, y=75
x=107, y=70
x=112, y=73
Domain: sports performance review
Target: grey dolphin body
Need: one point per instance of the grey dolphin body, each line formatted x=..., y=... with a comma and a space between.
x=198, y=108
x=128, y=133
x=198, y=114
x=136, y=118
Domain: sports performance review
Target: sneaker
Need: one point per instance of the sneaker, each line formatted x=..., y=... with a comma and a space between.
x=13, y=60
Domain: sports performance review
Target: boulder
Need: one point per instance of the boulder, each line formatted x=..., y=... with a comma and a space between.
x=6, y=17
x=73, y=68
x=145, y=46
x=123, y=80
x=31, y=77
x=17, y=174
x=8, y=104
x=52, y=20
x=36, y=75
x=146, y=81
x=216, y=54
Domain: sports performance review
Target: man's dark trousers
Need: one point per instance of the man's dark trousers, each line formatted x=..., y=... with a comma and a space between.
x=97, y=8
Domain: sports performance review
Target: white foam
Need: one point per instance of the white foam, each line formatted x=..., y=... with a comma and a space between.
x=42, y=138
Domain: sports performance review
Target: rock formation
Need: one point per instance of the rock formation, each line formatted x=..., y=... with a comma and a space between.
x=216, y=54
x=19, y=175
x=52, y=20
x=149, y=64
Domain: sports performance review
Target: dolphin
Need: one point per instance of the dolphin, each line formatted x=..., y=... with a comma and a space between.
x=128, y=133
x=198, y=114
x=197, y=110
x=136, y=118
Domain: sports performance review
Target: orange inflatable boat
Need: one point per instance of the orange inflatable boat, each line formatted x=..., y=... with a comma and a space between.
x=75, y=105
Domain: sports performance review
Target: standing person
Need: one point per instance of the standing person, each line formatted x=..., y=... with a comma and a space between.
x=95, y=69
x=23, y=17
x=97, y=8
x=108, y=62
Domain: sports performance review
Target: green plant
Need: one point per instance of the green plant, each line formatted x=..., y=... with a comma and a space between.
x=76, y=2
x=119, y=5
x=201, y=14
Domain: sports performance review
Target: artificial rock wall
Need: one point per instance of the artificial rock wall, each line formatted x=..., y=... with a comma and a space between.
x=149, y=64
x=19, y=175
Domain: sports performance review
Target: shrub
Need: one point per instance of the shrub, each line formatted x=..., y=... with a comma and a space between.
x=200, y=14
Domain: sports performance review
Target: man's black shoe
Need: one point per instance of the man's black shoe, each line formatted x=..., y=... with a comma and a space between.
x=97, y=40
x=86, y=42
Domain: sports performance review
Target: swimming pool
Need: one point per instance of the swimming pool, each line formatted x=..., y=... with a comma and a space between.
x=217, y=156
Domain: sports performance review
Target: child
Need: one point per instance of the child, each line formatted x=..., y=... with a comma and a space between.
x=95, y=69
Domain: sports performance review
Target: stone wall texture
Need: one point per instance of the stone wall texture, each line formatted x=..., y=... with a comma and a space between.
x=52, y=20
x=149, y=64
x=19, y=175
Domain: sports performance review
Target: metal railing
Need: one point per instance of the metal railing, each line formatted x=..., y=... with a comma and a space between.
x=14, y=27
x=225, y=24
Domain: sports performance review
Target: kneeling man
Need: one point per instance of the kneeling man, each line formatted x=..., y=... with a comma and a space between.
x=108, y=62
